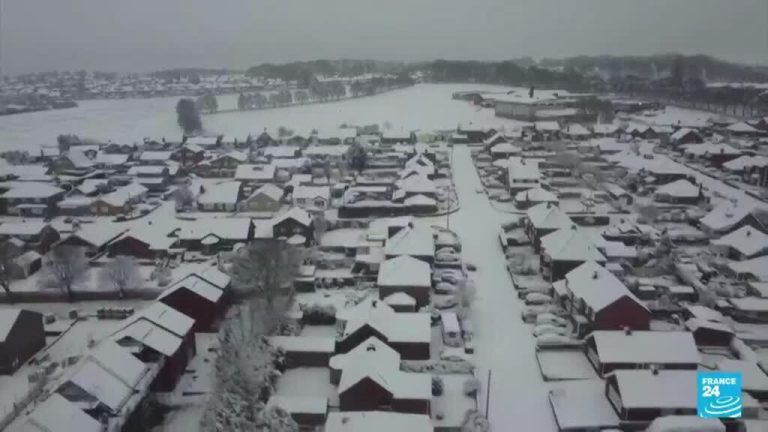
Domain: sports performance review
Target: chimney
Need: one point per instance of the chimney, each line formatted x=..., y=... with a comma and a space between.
x=573, y=228
x=627, y=330
x=370, y=347
x=749, y=233
x=594, y=274
x=374, y=303
x=654, y=369
x=549, y=204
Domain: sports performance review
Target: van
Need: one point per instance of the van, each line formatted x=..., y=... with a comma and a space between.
x=451, y=329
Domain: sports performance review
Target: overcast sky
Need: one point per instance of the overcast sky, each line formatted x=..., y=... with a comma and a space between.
x=142, y=35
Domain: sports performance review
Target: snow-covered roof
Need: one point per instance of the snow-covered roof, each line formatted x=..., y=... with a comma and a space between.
x=666, y=389
x=680, y=189
x=255, y=172
x=404, y=270
x=25, y=172
x=123, y=195
x=98, y=234
x=226, y=192
x=111, y=159
x=202, y=141
x=197, y=285
x=750, y=304
x=397, y=327
x=331, y=133
x=743, y=162
x=571, y=244
x=234, y=154
x=646, y=347
x=27, y=258
x=300, y=404
x=377, y=421
x=419, y=200
x=311, y=192
x=147, y=170
x=606, y=129
x=753, y=379
x=414, y=240
x=283, y=151
x=547, y=126
x=57, y=414
x=26, y=228
x=296, y=213
x=710, y=148
x=151, y=155
x=689, y=423
x=545, y=215
x=150, y=334
x=505, y=148
x=304, y=343
x=236, y=228
x=400, y=298
x=522, y=169
x=79, y=159
x=726, y=215
x=8, y=319
x=165, y=317
x=595, y=285
x=417, y=184
x=575, y=129
x=742, y=127
x=757, y=267
x=536, y=195
x=747, y=240
x=32, y=190
x=214, y=276
x=681, y=133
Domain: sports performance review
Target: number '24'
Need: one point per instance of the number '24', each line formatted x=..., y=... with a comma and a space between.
x=711, y=391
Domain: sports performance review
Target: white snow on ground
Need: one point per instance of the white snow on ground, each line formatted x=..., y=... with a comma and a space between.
x=504, y=344
x=424, y=106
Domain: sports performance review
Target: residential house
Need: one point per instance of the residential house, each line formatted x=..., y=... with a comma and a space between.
x=57, y=414
x=159, y=334
x=749, y=309
x=371, y=420
x=742, y=244
x=743, y=129
x=543, y=219
x=214, y=235
x=504, y=150
x=708, y=333
x=24, y=265
x=206, y=142
x=405, y=274
x=74, y=162
x=715, y=154
x=305, y=351
x=640, y=396
x=155, y=178
x=93, y=238
x=36, y=235
x=729, y=216
x=306, y=411
x=577, y=132
x=295, y=221
x=267, y=198
x=159, y=157
x=188, y=155
x=255, y=175
x=31, y=199
x=522, y=175
x=407, y=333
x=597, y=300
x=414, y=240
x=685, y=136
x=21, y=337
x=565, y=249
x=679, y=192
x=397, y=136
x=311, y=197
x=534, y=196
x=609, y=130
x=145, y=242
x=281, y=152
x=614, y=350
x=120, y=201
x=223, y=165
x=220, y=197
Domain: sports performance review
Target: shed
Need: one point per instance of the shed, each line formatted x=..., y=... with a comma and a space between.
x=21, y=336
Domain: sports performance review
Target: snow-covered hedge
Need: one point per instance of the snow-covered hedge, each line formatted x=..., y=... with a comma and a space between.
x=474, y=421
x=319, y=314
x=440, y=367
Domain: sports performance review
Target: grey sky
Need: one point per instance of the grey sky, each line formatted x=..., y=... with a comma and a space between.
x=141, y=35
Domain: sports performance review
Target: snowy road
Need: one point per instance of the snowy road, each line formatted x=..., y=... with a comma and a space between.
x=504, y=344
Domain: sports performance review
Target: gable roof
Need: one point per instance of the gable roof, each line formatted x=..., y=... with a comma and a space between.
x=121, y=196
x=8, y=319
x=270, y=191
x=415, y=240
x=226, y=192
x=521, y=169
x=197, y=285
x=536, y=195
x=596, y=286
x=746, y=240
x=682, y=133
x=404, y=270
x=667, y=389
x=545, y=215
x=377, y=421
x=726, y=215
x=57, y=414
x=742, y=127
x=575, y=129
x=32, y=190
x=150, y=334
x=680, y=188
x=571, y=244
x=646, y=347
x=296, y=213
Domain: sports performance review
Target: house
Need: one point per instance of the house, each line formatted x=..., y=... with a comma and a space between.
x=640, y=396
x=21, y=337
x=522, y=174
x=223, y=165
x=397, y=136
x=371, y=380
x=415, y=240
x=267, y=198
x=145, y=242
x=565, y=249
x=742, y=244
x=120, y=201
x=36, y=234
x=107, y=383
x=597, y=300
x=755, y=269
x=407, y=333
x=155, y=157
x=311, y=197
x=377, y=421
x=607, y=130
x=494, y=139
x=74, y=162
x=749, y=309
x=504, y=150
x=25, y=265
x=335, y=136
x=710, y=333
x=155, y=178
x=305, y=351
x=405, y=274
x=162, y=335
x=743, y=129
x=685, y=136
x=57, y=414
x=222, y=197
x=188, y=155
x=255, y=175
x=110, y=160
x=198, y=299
x=205, y=142
x=417, y=185
x=94, y=238
x=401, y=302
x=295, y=221
x=613, y=350
x=754, y=380
x=576, y=132
x=534, y=196
x=214, y=235
x=679, y=192
x=31, y=199
x=716, y=154
x=420, y=204
x=543, y=219
x=729, y=216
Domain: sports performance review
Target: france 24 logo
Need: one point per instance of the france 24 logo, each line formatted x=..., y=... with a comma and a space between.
x=719, y=394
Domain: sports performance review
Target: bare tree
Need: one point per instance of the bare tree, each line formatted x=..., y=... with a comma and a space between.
x=121, y=273
x=327, y=170
x=265, y=270
x=65, y=267
x=6, y=272
x=184, y=198
x=276, y=419
x=320, y=224
x=648, y=213
x=567, y=159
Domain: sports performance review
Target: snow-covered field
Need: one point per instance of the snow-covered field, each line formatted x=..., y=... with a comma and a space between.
x=424, y=106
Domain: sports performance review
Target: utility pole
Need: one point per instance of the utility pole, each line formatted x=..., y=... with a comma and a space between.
x=488, y=394
x=448, y=214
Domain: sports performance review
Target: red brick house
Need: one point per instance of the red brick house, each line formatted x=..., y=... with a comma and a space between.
x=597, y=300
x=198, y=299
x=21, y=336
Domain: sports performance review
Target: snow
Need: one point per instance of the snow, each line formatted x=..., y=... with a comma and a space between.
x=404, y=271
x=753, y=379
x=198, y=286
x=595, y=285
x=57, y=414
x=151, y=335
x=678, y=189
x=565, y=365
x=571, y=244
x=8, y=319
x=31, y=190
x=670, y=389
x=304, y=343
x=248, y=172
x=269, y=190
x=298, y=214
x=375, y=421
x=165, y=317
x=685, y=424
x=545, y=215
x=413, y=240
x=308, y=382
x=746, y=240
x=300, y=404
x=646, y=347
x=224, y=192
x=453, y=404
x=742, y=127
x=581, y=404
x=757, y=267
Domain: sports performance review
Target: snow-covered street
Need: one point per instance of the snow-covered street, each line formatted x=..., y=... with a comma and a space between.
x=504, y=344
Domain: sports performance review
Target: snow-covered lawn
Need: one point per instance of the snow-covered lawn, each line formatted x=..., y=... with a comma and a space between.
x=308, y=381
x=424, y=106
x=318, y=331
x=582, y=405
x=453, y=403
x=565, y=365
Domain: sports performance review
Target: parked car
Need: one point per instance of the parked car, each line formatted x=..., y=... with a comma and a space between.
x=471, y=267
x=530, y=313
x=552, y=341
x=536, y=298
x=549, y=329
x=550, y=319
x=446, y=250
x=445, y=288
x=447, y=257
x=451, y=278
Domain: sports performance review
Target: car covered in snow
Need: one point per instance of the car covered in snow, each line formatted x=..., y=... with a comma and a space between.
x=545, y=329
x=470, y=267
x=551, y=341
x=530, y=313
x=550, y=319
x=445, y=288
x=447, y=257
x=536, y=298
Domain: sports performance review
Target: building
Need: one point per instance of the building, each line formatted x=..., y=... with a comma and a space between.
x=120, y=201
x=640, y=396
x=267, y=198
x=21, y=337
x=223, y=165
x=198, y=299
x=414, y=240
x=375, y=420
x=685, y=136
x=526, y=105
x=742, y=244
x=535, y=196
x=566, y=249
x=57, y=414
x=679, y=192
x=613, y=350
x=543, y=219
x=31, y=199
x=405, y=274
x=295, y=221
x=522, y=175
x=305, y=351
x=188, y=155
x=35, y=234
x=306, y=411
x=729, y=216
x=597, y=300
x=710, y=333
x=221, y=197
x=311, y=197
